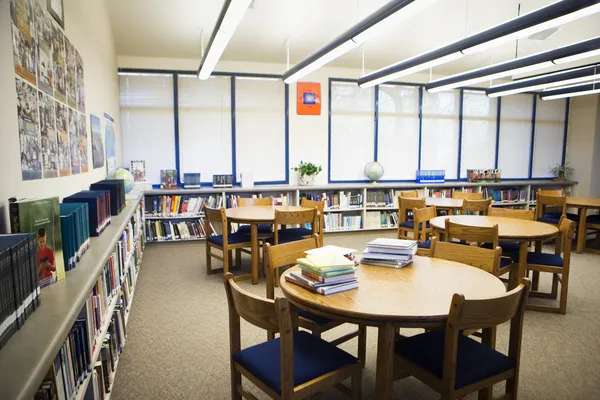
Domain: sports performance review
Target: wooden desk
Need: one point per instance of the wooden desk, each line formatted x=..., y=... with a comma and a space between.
x=415, y=296
x=255, y=215
x=444, y=203
x=509, y=229
x=582, y=204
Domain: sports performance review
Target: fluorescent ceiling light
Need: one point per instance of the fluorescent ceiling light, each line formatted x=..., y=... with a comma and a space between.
x=386, y=16
x=577, y=57
x=544, y=18
x=231, y=15
x=580, y=90
x=512, y=67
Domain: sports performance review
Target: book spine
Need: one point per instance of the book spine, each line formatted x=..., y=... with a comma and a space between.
x=15, y=220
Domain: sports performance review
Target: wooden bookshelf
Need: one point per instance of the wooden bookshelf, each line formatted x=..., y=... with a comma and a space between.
x=28, y=355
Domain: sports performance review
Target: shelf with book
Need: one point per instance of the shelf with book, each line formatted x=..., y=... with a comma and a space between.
x=201, y=215
x=338, y=210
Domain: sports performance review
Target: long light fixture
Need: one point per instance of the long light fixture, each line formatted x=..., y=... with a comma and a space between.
x=512, y=67
x=231, y=15
x=551, y=80
x=539, y=20
x=573, y=91
x=383, y=18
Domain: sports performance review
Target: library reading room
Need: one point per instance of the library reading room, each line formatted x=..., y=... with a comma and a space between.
x=279, y=199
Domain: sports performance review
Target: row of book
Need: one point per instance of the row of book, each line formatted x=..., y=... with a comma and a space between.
x=175, y=205
x=168, y=230
x=340, y=222
x=394, y=253
x=336, y=200
x=99, y=211
x=381, y=198
x=505, y=195
x=75, y=230
x=279, y=199
x=381, y=219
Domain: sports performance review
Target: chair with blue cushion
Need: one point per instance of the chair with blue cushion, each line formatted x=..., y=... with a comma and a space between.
x=455, y=365
x=264, y=230
x=423, y=230
x=544, y=201
x=478, y=257
x=284, y=218
x=283, y=255
x=555, y=215
x=223, y=240
x=474, y=207
x=406, y=224
x=555, y=264
x=295, y=365
x=307, y=231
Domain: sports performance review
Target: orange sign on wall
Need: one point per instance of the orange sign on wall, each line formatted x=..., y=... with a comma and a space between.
x=309, y=98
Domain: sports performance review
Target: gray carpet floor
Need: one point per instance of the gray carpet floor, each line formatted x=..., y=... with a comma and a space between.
x=177, y=346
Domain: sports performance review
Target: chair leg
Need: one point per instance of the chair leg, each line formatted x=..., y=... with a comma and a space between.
x=238, y=258
x=512, y=386
x=316, y=333
x=357, y=385
x=208, y=260
x=226, y=261
x=236, y=381
x=564, y=291
x=362, y=345
x=485, y=394
x=554, y=292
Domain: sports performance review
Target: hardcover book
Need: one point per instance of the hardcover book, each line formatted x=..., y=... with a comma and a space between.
x=168, y=178
x=42, y=217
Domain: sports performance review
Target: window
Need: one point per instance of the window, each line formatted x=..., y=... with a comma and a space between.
x=147, y=121
x=548, y=141
x=515, y=135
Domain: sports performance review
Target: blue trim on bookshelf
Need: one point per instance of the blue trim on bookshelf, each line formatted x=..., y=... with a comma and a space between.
x=498, y=114
x=287, y=132
x=329, y=130
x=233, y=142
x=420, y=125
x=376, y=126
x=460, y=128
x=532, y=137
x=176, y=125
x=564, y=149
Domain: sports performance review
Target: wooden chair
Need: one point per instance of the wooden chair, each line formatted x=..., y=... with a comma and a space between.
x=307, y=232
x=406, y=205
x=550, y=217
x=593, y=223
x=423, y=231
x=300, y=217
x=454, y=364
x=509, y=249
x=226, y=242
x=409, y=193
x=557, y=214
x=295, y=365
x=556, y=265
x=276, y=257
x=264, y=230
x=476, y=206
x=478, y=257
x=457, y=194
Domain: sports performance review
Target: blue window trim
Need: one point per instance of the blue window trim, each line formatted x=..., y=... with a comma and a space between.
x=498, y=114
x=233, y=142
x=176, y=126
x=421, y=89
x=564, y=150
x=376, y=127
x=460, y=131
x=533, y=115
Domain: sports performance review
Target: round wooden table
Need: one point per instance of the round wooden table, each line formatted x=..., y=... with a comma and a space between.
x=444, y=203
x=509, y=229
x=254, y=216
x=582, y=204
x=415, y=296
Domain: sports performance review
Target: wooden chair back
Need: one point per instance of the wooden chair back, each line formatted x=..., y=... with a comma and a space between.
x=421, y=217
x=474, y=206
x=478, y=257
x=281, y=255
x=320, y=206
x=457, y=194
x=216, y=216
x=551, y=192
x=408, y=204
x=409, y=193
x=566, y=230
x=504, y=212
x=254, y=201
x=470, y=234
x=299, y=217
x=543, y=201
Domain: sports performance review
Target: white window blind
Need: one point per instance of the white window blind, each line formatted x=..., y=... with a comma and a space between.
x=352, y=130
x=439, y=146
x=515, y=135
x=260, y=129
x=478, y=131
x=549, y=136
x=398, y=131
x=147, y=122
x=205, y=126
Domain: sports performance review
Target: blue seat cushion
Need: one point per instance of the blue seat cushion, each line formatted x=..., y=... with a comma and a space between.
x=313, y=357
x=593, y=219
x=284, y=237
x=297, y=231
x=313, y=317
x=425, y=245
x=262, y=228
x=233, y=238
x=475, y=361
x=549, y=219
x=507, y=247
x=411, y=224
x=505, y=261
x=544, y=259
x=557, y=215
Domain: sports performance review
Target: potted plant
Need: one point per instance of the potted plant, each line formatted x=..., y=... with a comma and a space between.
x=562, y=172
x=307, y=172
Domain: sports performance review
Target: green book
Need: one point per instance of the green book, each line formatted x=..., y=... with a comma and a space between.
x=42, y=217
x=328, y=273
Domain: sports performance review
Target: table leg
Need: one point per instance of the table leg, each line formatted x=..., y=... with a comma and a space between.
x=254, y=251
x=521, y=266
x=582, y=234
x=385, y=361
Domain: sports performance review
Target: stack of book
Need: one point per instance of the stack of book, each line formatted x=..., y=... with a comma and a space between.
x=116, y=187
x=98, y=208
x=75, y=230
x=324, y=272
x=394, y=253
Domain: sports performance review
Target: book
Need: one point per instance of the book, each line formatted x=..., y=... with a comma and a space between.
x=316, y=284
x=390, y=264
x=330, y=249
x=116, y=187
x=98, y=202
x=327, y=273
x=388, y=243
x=371, y=255
x=42, y=217
x=325, y=290
x=332, y=277
x=168, y=178
x=326, y=261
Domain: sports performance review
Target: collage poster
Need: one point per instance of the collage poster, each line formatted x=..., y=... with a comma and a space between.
x=83, y=143
x=64, y=153
x=29, y=138
x=58, y=57
x=43, y=32
x=71, y=74
x=48, y=134
x=73, y=141
x=23, y=37
x=97, y=146
x=111, y=158
x=80, y=84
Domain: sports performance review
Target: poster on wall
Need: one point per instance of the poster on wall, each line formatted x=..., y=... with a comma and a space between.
x=58, y=58
x=48, y=136
x=74, y=141
x=111, y=158
x=44, y=36
x=23, y=39
x=71, y=82
x=97, y=146
x=309, y=98
x=29, y=138
x=83, y=143
x=80, y=84
x=64, y=153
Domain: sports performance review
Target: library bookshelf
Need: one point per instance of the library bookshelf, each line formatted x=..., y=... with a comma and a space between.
x=27, y=357
x=351, y=207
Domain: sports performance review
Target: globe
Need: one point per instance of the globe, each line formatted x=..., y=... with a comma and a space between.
x=374, y=171
x=127, y=177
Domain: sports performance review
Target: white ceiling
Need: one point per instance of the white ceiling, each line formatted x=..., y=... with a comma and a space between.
x=173, y=29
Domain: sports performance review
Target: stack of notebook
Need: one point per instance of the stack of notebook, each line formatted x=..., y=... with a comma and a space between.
x=394, y=253
x=324, y=273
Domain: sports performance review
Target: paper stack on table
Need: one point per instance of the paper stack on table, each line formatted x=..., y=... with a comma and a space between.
x=394, y=253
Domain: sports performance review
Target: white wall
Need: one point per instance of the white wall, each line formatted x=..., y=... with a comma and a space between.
x=88, y=28
x=595, y=173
